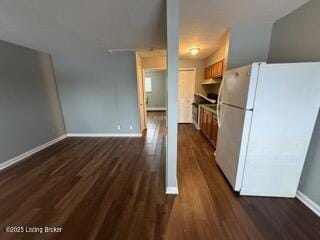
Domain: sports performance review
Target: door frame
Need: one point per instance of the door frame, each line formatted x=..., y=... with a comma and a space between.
x=140, y=92
x=193, y=84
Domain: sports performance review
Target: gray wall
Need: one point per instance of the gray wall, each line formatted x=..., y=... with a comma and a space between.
x=157, y=98
x=30, y=109
x=296, y=38
x=248, y=43
x=172, y=16
x=99, y=92
x=310, y=180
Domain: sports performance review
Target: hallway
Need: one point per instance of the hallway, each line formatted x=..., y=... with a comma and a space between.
x=113, y=188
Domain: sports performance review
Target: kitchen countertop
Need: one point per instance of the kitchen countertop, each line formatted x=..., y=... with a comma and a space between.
x=204, y=97
x=210, y=107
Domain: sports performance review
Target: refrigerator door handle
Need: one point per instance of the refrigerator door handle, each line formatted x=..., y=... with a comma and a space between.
x=219, y=103
x=218, y=115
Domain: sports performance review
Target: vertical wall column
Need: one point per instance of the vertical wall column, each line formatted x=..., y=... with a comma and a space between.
x=172, y=96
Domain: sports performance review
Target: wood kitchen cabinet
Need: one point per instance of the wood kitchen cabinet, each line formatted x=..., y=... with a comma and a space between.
x=208, y=72
x=203, y=120
x=214, y=70
x=217, y=70
x=214, y=132
x=209, y=125
x=206, y=123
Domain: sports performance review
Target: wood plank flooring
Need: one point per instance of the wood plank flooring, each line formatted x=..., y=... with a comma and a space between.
x=113, y=188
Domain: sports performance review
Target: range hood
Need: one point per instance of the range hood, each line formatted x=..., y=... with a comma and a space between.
x=211, y=81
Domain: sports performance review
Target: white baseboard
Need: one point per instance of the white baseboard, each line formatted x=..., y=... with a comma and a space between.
x=309, y=203
x=104, y=135
x=31, y=152
x=156, y=109
x=172, y=191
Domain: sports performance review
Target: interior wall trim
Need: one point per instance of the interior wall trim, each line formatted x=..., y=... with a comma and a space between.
x=25, y=155
x=308, y=202
x=104, y=135
x=172, y=191
x=156, y=109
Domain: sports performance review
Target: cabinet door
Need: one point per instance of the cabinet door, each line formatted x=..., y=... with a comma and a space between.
x=218, y=69
x=202, y=120
x=212, y=71
x=208, y=72
x=214, y=132
x=205, y=123
x=209, y=123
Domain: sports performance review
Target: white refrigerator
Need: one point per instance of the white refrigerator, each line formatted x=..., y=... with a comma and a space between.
x=266, y=116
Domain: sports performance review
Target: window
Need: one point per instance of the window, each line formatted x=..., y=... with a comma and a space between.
x=147, y=84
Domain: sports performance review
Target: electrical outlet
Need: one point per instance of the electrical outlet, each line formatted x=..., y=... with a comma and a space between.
x=130, y=127
x=53, y=131
x=118, y=127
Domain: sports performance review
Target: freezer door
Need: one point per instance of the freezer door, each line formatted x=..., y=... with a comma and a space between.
x=232, y=143
x=238, y=86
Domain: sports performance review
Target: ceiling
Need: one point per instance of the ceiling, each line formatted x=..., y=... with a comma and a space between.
x=203, y=22
x=72, y=26
x=61, y=26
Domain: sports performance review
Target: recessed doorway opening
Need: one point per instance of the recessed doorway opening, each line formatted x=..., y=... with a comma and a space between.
x=155, y=92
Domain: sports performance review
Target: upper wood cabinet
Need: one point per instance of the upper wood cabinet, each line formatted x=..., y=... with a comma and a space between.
x=208, y=72
x=214, y=70
x=217, y=69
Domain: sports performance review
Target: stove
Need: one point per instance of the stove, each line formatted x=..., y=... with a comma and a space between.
x=198, y=100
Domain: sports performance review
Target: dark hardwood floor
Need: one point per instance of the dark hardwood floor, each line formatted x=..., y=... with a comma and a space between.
x=113, y=188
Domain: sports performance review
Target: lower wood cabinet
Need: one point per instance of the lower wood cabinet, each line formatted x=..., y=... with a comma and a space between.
x=214, y=132
x=209, y=126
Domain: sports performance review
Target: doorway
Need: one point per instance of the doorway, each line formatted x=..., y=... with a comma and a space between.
x=155, y=91
x=186, y=86
x=151, y=71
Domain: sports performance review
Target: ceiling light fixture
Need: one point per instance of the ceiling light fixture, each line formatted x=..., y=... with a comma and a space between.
x=194, y=51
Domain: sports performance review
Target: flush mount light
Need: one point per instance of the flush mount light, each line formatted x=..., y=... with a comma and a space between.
x=194, y=51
